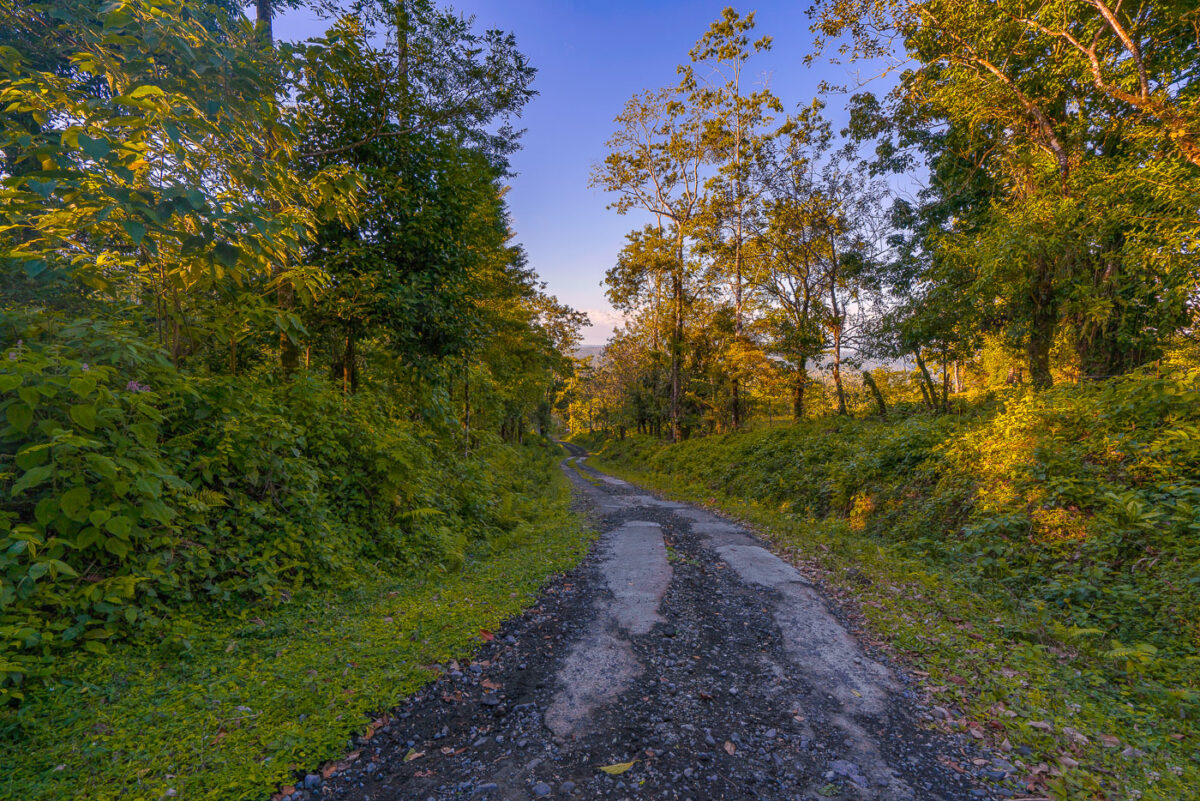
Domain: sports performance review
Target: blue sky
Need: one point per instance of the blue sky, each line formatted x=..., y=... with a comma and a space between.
x=591, y=57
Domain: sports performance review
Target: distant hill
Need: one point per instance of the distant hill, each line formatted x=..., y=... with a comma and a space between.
x=584, y=351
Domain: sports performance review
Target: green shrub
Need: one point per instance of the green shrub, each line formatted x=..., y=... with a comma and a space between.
x=131, y=490
x=1079, y=506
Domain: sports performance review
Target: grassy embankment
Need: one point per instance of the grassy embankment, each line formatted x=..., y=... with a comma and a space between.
x=1036, y=557
x=233, y=705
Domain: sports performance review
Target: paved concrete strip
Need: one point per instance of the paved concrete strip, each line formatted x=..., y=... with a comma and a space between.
x=820, y=646
x=616, y=482
x=813, y=637
x=637, y=573
x=757, y=565
x=601, y=665
x=598, y=669
x=650, y=500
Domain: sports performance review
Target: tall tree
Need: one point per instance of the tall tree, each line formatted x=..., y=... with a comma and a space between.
x=656, y=164
x=1063, y=102
x=737, y=122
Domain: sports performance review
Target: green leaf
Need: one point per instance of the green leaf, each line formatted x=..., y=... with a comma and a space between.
x=43, y=188
x=74, y=503
x=63, y=568
x=83, y=385
x=103, y=465
x=19, y=416
x=135, y=229
x=116, y=547
x=46, y=510
x=32, y=478
x=9, y=382
x=146, y=91
x=96, y=149
x=35, y=267
x=196, y=199
x=226, y=254
x=33, y=456
x=38, y=569
x=119, y=526
x=84, y=415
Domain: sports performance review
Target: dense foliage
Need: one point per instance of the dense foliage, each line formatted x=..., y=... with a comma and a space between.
x=1078, y=505
x=1037, y=552
x=1025, y=190
x=234, y=706
x=263, y=323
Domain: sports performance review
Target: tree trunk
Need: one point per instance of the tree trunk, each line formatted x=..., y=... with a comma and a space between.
x=263, y=13
x=677, y=343
x=927, y=387
x=349, y=366
x=467, y=410
x=924, y=393
x=945, y=384
x=1042, y=321
x=869, y=380
x=798, y=390
x=285, y=295
x=837, y=373
x=838, y=322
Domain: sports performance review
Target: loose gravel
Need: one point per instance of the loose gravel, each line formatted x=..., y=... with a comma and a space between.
x=685, y=659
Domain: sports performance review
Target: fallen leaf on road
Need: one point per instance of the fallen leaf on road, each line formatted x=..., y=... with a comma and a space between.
x=486, y=635
x=730, y=748
x=411, y=755
x=1040, y=724
x=619, y=768
x=828, y=790
x=1108, y=741
x=489, y=684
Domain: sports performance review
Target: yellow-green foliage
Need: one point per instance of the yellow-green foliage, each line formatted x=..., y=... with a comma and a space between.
x=132, y=491
x=233, y=706
x=1041, y=551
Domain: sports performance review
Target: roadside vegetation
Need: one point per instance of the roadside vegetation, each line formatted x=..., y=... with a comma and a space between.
x=944, y=356
x=235, y=704
x=274, y=385
x=1033, y=556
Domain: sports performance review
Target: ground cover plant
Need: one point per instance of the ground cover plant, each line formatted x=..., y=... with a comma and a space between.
x=1035, y=556
x=235, y=705
x=274, y=384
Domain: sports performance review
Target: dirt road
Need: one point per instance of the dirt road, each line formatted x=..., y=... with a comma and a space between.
x=680, y=645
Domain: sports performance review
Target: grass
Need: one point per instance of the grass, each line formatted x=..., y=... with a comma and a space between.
x=233, y=708
x=1077, y=723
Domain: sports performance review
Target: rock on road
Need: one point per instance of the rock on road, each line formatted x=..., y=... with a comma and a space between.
x=680, y=645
